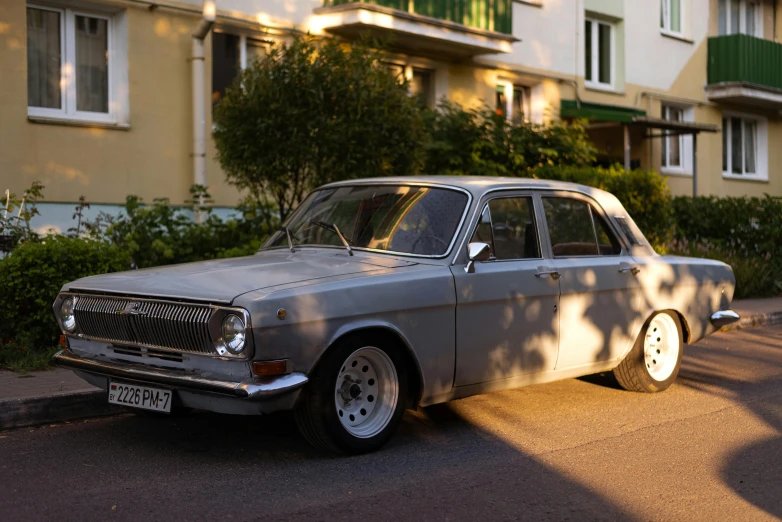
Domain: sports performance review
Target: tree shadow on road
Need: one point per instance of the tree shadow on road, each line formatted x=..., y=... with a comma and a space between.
x=753, y=471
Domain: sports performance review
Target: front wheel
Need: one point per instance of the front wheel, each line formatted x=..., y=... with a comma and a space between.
x=355, y=398
x=653, y=363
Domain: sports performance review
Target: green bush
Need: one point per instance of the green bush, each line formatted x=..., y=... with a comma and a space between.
x=644, y=194
x=480, y=142
x=31, y=277
x=160, y=234
x=312, y=112
x=754, y=274
x=751, y=226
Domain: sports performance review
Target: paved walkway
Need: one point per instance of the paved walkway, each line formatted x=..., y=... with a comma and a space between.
x=38, y=384
x=59, y=382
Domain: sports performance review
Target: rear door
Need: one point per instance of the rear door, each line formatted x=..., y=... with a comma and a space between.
x=600, y=293
x=506, y=319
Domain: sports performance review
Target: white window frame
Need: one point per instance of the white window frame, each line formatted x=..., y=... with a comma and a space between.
x=594, y=83
x=743, y=17
x=685, y=142
x=666, y=9
x=510, y=95
x=761, y=147
x=243, y=42
x=117, y=69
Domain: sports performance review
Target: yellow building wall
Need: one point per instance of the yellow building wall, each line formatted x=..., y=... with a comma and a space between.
x=150, y=159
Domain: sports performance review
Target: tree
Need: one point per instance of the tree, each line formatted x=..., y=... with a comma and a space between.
x=480, y=142
x=313, y=112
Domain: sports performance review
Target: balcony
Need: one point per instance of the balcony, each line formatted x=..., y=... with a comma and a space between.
x=745, y=70
x=446, y=29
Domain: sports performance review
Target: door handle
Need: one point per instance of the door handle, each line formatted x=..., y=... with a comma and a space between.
x=634, y=269
x=542, y=273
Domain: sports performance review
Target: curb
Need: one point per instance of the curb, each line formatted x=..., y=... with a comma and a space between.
x=31, y=411
x=754, y=321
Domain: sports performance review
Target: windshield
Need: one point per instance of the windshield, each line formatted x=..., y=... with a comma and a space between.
x=404, y=219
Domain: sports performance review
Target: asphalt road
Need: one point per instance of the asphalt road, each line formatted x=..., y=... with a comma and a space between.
x=709, y=448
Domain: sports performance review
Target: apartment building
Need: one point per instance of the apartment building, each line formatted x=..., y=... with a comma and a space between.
x=104, y=98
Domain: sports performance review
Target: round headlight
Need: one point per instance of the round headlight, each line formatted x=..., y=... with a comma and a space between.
x=233, y=334
x=66, y=314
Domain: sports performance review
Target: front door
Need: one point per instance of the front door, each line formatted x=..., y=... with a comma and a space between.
x=506, y=316
x=600, y=293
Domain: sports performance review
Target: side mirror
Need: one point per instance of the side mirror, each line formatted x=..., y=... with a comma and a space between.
x=477, y=252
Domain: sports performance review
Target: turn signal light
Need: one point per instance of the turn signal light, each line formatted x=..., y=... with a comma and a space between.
x=270, y=368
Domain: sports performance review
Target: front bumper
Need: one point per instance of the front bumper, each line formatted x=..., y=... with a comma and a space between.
x=724, y=318
x=250, y=389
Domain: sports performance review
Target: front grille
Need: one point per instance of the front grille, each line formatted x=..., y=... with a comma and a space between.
x=176, y=326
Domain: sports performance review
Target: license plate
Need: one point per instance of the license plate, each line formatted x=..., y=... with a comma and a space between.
x=142, y=397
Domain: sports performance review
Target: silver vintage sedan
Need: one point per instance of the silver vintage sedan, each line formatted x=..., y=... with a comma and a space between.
x=385, y=294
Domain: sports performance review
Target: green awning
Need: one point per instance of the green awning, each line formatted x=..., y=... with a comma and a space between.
x=598, y=111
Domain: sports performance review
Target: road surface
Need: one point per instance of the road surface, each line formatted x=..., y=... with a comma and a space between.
x=709, y=448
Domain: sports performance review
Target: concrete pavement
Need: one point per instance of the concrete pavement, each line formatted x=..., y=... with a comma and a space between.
x=709, y=448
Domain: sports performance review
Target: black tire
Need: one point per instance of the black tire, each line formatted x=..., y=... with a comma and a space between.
x=316, y=412
x=632, y=373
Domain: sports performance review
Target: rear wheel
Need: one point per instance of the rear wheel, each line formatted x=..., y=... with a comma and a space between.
x=653, y=363
x=355, y=398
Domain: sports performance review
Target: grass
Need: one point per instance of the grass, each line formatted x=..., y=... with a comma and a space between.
x=21, y=360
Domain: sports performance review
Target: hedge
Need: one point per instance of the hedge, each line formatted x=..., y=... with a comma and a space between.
x=31, y=277
x=644, y=194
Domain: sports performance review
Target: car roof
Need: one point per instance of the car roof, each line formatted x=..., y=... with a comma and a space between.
x=477, y=185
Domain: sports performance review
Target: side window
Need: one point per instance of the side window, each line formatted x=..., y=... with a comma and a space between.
x=607, y=243
x=570, y=227
x=575, y=229
x=509, y=227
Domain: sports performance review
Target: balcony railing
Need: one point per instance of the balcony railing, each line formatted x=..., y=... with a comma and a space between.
x=740, y=58
x=489, y=15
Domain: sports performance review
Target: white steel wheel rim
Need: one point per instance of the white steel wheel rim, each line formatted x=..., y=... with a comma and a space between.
x=366, y=392
x=661, y=347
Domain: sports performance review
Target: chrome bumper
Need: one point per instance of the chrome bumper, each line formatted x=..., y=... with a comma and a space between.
x=724, y=318
x=251, y=389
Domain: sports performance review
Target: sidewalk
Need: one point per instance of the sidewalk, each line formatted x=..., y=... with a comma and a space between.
x=58, y=395
x=51, y=396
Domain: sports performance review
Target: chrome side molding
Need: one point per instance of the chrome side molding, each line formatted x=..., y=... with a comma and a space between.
x=723, y=318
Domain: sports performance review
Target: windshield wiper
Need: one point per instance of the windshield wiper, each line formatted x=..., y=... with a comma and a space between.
x=288, y=234
x=335, y=229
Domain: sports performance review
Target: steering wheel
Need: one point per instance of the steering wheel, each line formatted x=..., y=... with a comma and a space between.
x=429, y=236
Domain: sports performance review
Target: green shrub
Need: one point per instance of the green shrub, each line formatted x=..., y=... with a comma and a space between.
x=644, y=194
x=755, y=276
x=751, y=226
x=480, y=142
x=160, y=234
x=312, y=112
x=31, y=277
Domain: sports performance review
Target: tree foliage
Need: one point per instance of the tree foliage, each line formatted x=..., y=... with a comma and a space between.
x=480, y=142
x=309, y=113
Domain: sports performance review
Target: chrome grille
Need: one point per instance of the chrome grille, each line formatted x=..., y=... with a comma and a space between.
x=176, y=326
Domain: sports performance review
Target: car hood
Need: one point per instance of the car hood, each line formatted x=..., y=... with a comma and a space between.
x=221, y=281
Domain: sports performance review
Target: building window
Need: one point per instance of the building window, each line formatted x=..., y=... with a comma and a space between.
x=599, y=53
x=422, y=86
x=740, y=17
x=73, y=65
x=671, y=16
x=512, y=101
x=231, y=54
x=743, y=146
x=672, y=145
